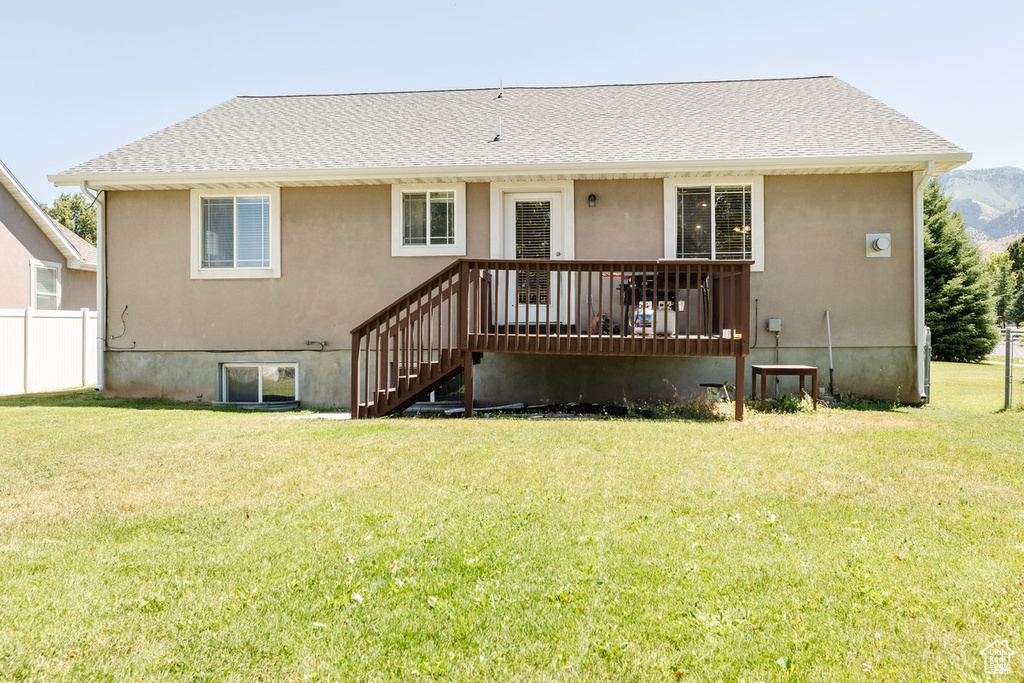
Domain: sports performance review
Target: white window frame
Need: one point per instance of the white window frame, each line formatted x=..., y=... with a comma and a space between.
x=259, y=367
x=756, y=183
x=272, y=271
x=48, y=265
x=500, y=232
x=398, y=248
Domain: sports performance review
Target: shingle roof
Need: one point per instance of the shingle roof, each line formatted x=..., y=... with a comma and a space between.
x=727, y=120
x=85, y=248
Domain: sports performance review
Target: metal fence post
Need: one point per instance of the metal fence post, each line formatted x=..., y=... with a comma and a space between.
x=1009, y=369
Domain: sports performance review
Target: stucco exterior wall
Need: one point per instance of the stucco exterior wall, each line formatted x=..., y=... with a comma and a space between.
x=337, y=270
x=626, y=223
x=815, y=243
x=21, y=241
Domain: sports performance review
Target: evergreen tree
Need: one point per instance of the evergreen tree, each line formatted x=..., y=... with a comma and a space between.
x=958, y=304
x=75, y=213
x=1003, y=279
x=1015, y=309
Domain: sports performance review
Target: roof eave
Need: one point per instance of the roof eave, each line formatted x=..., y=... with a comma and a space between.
x=40, y=217
x=836, y=164
x=78, y=264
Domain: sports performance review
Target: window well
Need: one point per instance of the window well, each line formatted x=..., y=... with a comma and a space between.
x=272, y=386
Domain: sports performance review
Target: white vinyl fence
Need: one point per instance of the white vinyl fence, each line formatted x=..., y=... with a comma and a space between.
x=46, y=350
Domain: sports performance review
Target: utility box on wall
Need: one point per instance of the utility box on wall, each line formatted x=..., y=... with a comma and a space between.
x=879, y=245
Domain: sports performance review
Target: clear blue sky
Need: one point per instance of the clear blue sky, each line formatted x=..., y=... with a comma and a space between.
x=84, y=78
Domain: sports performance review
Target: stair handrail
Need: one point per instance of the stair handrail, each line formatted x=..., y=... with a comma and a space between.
x=393, y=313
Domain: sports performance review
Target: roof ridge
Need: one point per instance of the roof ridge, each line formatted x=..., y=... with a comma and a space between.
x=537, y=87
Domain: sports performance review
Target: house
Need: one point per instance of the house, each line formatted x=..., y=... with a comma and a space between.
x=594, y=243
x=43, y=265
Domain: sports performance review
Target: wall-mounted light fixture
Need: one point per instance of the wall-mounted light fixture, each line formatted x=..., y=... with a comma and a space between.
x=592, y=200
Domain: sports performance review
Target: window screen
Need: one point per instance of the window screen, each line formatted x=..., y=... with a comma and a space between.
x=46, y=288
x=732, y=222
x=236, y=232
x=253, y=216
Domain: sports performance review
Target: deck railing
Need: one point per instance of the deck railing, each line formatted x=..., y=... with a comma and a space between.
x=628, y=308
x=625, y=308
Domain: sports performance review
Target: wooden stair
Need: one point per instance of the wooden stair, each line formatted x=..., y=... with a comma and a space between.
x=427, y=378
x=411, y=347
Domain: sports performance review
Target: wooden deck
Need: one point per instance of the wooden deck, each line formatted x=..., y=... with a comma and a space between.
x=668, y=308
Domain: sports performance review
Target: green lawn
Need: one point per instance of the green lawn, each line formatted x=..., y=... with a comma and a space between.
x=154, y=541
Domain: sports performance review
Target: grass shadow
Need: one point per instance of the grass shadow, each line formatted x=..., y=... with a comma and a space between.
x=90, y=398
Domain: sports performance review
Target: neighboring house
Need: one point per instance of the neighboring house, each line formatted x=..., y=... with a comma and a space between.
x=43, y=265
x=524, y=228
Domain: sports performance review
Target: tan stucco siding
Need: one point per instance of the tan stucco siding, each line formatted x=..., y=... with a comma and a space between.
x=336, y=270
x=78, y=290
x=21, y=242
x=337, y=267
x=815, y=242
x=815, y=260
x=626, y=223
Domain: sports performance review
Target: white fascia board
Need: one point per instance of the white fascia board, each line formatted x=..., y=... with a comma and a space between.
x=77, y=264
x=484, y=172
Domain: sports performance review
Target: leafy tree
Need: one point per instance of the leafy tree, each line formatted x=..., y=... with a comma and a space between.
x=75, y=213
x=1003, y=279
x=957, y=301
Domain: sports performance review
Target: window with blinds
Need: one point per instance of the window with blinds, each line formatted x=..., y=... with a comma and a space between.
x=533, y=242
x=714, y=222
x=47, y=287
x=236, y=232
x=428, y=218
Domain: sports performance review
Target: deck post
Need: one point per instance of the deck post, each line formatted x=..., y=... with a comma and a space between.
x=740, y=376
x=354, y=389
x=467, y=382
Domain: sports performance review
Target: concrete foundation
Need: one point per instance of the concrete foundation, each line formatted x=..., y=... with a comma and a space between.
x=323, y=376
x=884, y=373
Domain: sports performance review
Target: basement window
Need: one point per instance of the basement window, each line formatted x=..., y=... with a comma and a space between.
x=260, y=384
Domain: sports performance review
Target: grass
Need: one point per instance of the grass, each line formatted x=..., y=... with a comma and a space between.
x=142, y=540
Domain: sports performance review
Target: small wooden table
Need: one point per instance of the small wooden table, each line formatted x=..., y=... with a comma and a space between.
x=800, y=371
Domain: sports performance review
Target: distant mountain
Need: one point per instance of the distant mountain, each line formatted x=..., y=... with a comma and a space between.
x=1009, y=223
x=991, y=201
